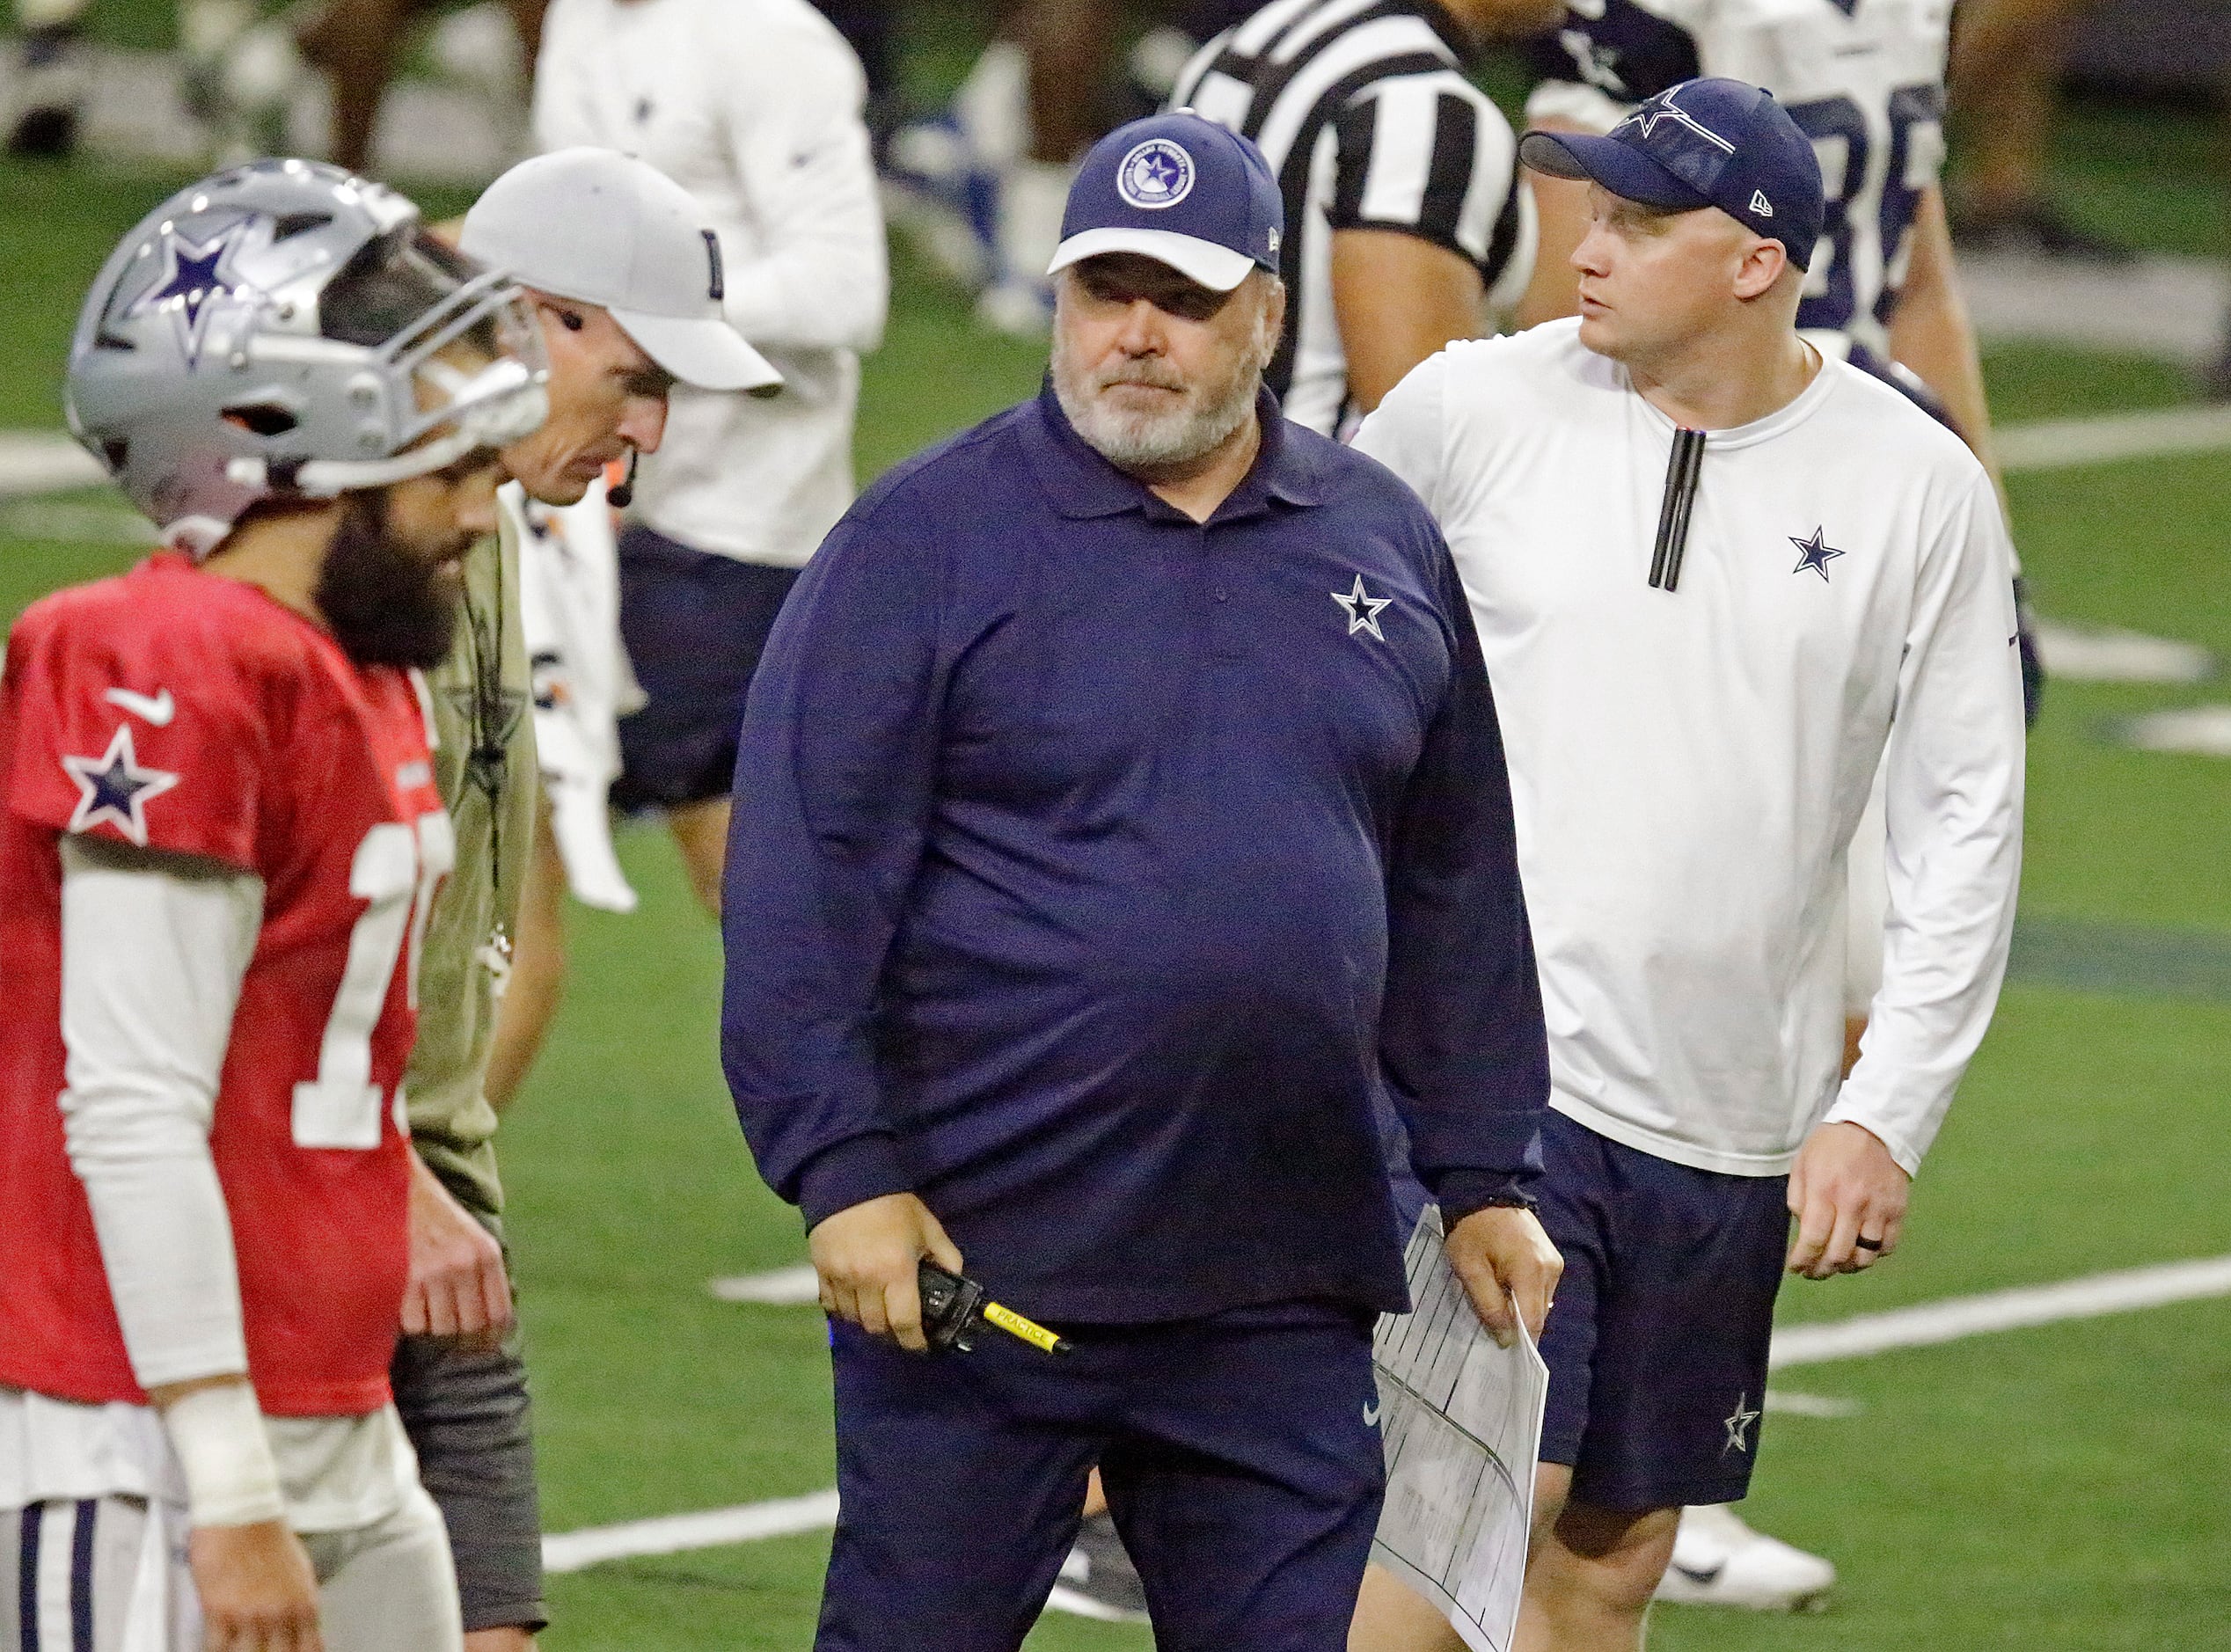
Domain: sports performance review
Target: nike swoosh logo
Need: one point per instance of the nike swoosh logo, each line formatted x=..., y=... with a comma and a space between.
x=1702, y=1576
x=1371, y=1413
x=158, y=708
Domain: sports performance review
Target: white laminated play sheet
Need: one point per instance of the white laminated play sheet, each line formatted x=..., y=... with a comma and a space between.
x=1462, y=1421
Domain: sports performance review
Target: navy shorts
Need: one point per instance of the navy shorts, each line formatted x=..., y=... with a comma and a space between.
x=1240, y=1468
x=695, y=625
x=1657, y=1347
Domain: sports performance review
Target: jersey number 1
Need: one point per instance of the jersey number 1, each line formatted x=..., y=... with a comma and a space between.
x=394, y=873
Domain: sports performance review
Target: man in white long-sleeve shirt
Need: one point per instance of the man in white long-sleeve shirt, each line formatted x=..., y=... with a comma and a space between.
x=1715, y=577
x=221, y=840
x=754, y=108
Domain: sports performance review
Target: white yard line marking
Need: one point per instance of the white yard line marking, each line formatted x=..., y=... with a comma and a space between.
x=677, y=1534
x=2170, y=308
x=33, y=462
x=2058, y=443
x=2097, y=654
x=44, y=462
x=1066, y=1599
x=2201, y=730
x=2019, y=1309
x=784, y=1288
x=1927, y=1326
x=1795, y=1405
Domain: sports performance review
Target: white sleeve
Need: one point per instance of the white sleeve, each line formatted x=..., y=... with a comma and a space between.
x=819, y=278
x=1406, y=432
x=563, y=112
x=1953, y=788
x=152, y=958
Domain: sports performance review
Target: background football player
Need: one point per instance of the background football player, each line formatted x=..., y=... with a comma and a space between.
x=222, y=841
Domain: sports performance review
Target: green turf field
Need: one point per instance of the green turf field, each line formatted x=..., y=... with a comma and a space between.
x=2063, y=1488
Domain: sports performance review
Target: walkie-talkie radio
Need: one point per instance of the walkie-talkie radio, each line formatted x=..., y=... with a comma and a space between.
x=954, y=1308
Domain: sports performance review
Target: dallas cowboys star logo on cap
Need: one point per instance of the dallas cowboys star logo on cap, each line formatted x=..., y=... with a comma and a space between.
x=195, y=273
x=1662, y=107
x=1814, y=554
x=113, y=788
x=1363, y=609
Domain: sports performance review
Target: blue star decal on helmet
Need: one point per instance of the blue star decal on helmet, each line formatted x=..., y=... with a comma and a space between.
x=1814, y=554
x=193, y=273
x=113, y=788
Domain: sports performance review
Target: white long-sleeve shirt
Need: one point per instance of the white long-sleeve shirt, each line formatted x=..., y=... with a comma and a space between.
x=1687, y=767
x=754, y=108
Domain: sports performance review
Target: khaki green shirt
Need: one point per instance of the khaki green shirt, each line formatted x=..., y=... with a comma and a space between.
x=485, y=766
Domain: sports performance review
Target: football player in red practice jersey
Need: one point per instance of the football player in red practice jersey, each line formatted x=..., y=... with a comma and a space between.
x=220, y=839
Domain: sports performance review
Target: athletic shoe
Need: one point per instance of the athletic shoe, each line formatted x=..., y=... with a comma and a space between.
x=1720, y=1561
x=51, y=81
x=1099, y=1572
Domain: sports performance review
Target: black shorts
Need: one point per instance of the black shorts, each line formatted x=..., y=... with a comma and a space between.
x=695, y=625
x=469, y=1418
x=1657, y=1346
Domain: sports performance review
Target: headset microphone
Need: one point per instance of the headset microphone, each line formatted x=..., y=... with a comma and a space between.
x=622, y=493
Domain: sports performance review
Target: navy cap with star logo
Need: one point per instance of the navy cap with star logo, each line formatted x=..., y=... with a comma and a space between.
x=1707, y=143
x=1181, y=190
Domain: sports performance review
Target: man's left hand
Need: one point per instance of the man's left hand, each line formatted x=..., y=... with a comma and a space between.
x=1502, y=1256
x=1849, y=1196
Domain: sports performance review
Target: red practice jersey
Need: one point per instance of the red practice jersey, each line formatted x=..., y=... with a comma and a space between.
x=178, y=710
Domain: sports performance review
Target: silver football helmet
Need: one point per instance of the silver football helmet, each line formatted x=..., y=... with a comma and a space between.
x=284, y=329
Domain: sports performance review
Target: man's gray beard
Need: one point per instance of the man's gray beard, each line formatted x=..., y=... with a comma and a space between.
x=1150, y=442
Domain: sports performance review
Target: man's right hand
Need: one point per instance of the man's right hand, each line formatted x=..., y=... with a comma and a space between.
x=258, y=1591
x=867, y=1257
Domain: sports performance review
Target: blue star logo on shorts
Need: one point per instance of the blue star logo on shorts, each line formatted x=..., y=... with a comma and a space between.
x=113, y=788
x=1814, y=554
x=1156, y=174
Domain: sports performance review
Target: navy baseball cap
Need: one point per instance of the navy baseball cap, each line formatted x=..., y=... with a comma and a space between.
x=1179, y=189
x=1708, y=143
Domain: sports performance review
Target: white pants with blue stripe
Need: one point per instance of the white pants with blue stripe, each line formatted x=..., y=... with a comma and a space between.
x=110, y=1574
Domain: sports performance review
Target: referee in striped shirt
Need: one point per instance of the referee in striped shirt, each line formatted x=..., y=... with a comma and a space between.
x=1407, y=226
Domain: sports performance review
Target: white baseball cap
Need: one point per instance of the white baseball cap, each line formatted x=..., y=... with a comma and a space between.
x=605, y=229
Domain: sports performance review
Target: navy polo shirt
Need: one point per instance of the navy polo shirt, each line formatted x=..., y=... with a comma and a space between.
x=1094, y=871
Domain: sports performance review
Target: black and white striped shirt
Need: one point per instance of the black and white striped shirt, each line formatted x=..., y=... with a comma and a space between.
x=1363, y=110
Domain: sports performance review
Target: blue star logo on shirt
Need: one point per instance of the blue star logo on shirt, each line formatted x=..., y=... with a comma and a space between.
x=1814, y=554
x=113, y=788
x=195, y=273
x=1363, y=609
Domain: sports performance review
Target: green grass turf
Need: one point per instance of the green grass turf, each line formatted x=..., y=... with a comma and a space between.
x=2062, y=1489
